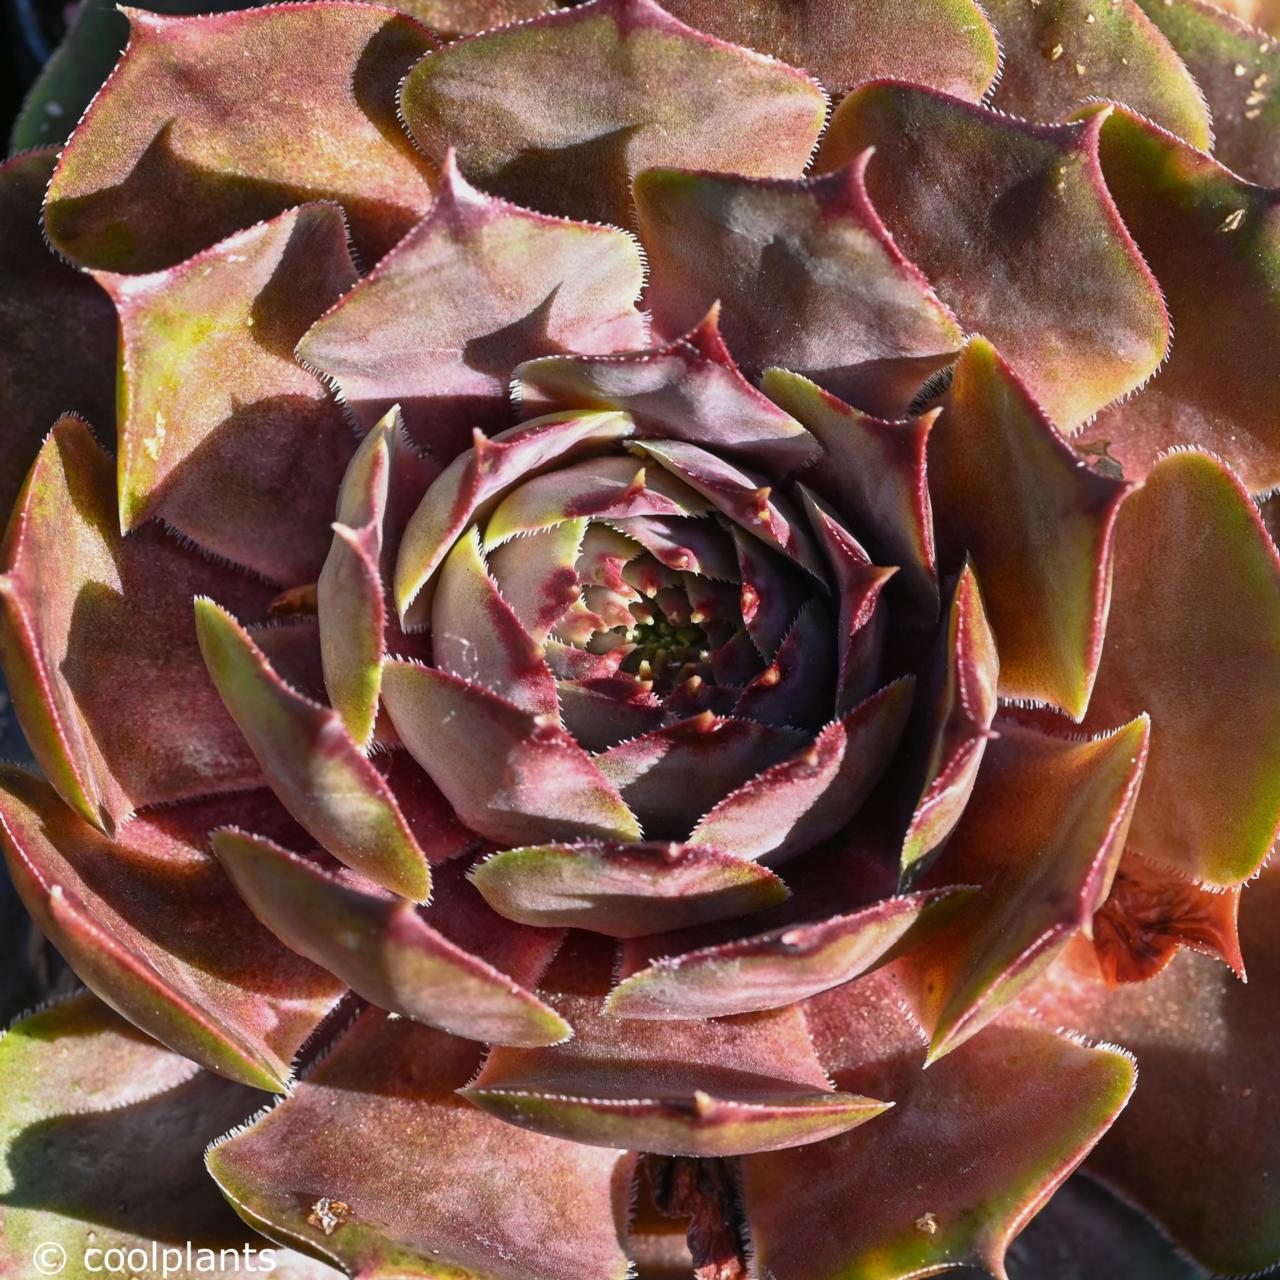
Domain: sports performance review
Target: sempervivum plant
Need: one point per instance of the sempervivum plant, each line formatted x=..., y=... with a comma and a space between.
x=662, y=619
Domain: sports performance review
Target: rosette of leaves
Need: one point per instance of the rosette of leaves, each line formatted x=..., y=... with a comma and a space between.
x=664, y=622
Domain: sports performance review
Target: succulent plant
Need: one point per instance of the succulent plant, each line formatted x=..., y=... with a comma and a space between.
x=670, y=634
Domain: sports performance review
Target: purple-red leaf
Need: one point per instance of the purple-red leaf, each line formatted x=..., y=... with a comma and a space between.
x=1010, y=493
x=624, y=890
x=221, y=433
x=475, y=288
x=844, y=306
x=312, y=762
x=1214, y=242
x=562, y=112
x=974, y=1146
x=691, y=389
x=175, y=152
x=152, y=925
x=511, y=775
x=99, y=647
x=382, y=946
x=1042, y=836
x=947, y=44
x=1013, y=225
x=338, y=1170
x=708, y=1088
x=1192, y=639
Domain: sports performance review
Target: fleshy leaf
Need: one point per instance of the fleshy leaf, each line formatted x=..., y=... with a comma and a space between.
x=351, y=590
x=549, y=1210
x=624, y=890
x=611, y=488
x=311, y=761
x=94, y=622
x=477, y=637
x=683, y=1088
x=465, y=17
x=801, y=801
x=691, y=389
x=475, y=288
x=83, y=1091
x=1214, y=242
x=382, y=947
x=1238, y=68
x=1013, y=225
x=1212, y=1179
x=220, y=430
x=845, y=307
x=562, y=112
x=1012, y=494
x=1059, y=53
x=1042, y=835
x=946, y=44
x=53, y=317
x=874, y=473
x=481, y=474
x=974, y=1146
x=781, y=967
x=673, y=775
x=511, y=775
x=1192, y=639
x=954, y=709
x=153, y=926
x=174, y=154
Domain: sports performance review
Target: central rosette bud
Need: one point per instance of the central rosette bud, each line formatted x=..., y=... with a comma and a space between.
x=646, y=659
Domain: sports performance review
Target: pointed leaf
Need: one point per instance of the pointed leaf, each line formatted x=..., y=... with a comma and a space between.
x=845, y=307
x=1210, y=806
x=477, y=637
x=152, y=925
x=562, y=112
x=672, y=776
x=173, y=154
x=781, y=967
x=624, y=891
x=974, y=1147
x=103, y=1132
x=53, y=317
x=1010, y=493
x=691, y=389
x=947, y=44
x=94, y=623
x=1059, y=53
x=491, y=1201
x=684, y=1088
x=219, y=428
x=382, y=947
x=480, y=475
x=954, y=710
x=311, y=761
x=1013, y=225
x=874, y=473
x=511, y=775
x=1042, y=836
x=801, y=801
x=350, y=591
x=1214, y=242
x=475, y=288
x=538, y=574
